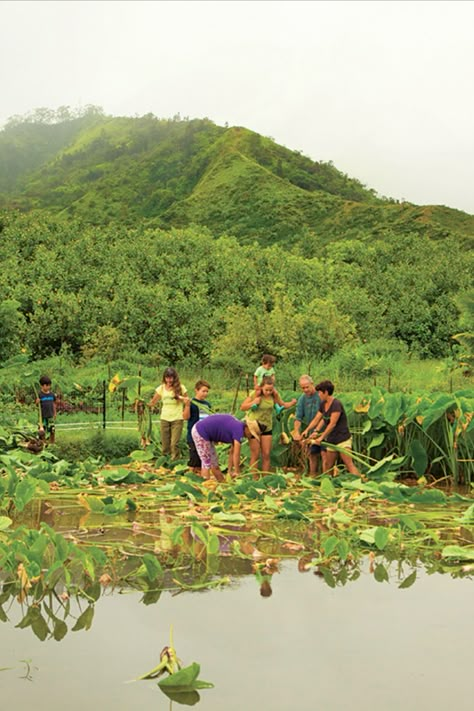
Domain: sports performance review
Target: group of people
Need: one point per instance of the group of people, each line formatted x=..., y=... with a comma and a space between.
x=318, y=412
x=320, y=427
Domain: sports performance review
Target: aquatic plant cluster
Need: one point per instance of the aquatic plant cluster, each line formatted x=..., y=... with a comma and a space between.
x=70, y=530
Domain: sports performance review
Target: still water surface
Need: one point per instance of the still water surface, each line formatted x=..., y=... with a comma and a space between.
x=363, y=646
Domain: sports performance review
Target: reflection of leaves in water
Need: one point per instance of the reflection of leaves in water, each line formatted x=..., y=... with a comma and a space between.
x=84, y=621
x=408, y=582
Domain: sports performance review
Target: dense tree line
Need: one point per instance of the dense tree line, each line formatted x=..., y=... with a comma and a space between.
x=184, y=295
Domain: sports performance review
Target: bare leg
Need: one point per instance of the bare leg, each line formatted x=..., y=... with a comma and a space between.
x=266, y=446
x=254, y=454
x=349, y=464
x=329, y=460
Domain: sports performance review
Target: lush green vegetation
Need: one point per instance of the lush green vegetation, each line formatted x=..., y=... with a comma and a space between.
x=132, y=244
x=185, y=296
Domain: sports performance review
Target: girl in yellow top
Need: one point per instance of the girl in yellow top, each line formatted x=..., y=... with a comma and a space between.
x=175, y=409
x=260, y=404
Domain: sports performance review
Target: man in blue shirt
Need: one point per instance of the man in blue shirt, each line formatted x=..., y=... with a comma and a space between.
x=306, y=409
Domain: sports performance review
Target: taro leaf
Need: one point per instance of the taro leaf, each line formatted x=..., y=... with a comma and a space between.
x=60, y=630
x=327, y=487
x=376, y=441
x=96, y=505
x=428, y=496
x=341, y=517
x=330, y=544
x=328, y=576
x=225, y=517
x=150, y=597
x=186, y=698
x=40, y=626
x=200, y=532
x=468, y=516
x=381, y=537
x=458, y=552
x=3, y=616
x=182, y=488
x=186, y=679
x=230, y=498
x=380, y=574
x=84, y=621
x=384, y=466
x=152, y=565
x=114, y=476
x=408, y=582
x=409, y=522
x=140, y=455
x=213, y=544
x=368, y=535
x=343, y=550
x=394, y=408
x=377, y=402
x=437, y=410
x=419, y=457
x=5, y=522
x=24, y=493
x=270, y=503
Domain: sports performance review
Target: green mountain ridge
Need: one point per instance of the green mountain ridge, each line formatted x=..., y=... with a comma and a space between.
x=176, y=173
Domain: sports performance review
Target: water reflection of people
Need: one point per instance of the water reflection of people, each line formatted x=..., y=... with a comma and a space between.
x=264, y=571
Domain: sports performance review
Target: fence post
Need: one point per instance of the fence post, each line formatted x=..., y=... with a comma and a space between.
x=104, y=404
x=247, y=382
x=140, y=381
x=123, y=403
x=389, y=379
x=236, y=393
x=294, y=385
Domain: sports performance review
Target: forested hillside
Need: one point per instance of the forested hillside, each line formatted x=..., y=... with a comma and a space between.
x=175, y=173
x=187, y=241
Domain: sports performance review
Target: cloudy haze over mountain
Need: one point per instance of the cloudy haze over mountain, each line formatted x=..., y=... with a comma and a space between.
x=383, y=89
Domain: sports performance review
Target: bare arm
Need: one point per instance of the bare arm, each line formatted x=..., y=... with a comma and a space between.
x=186, y=408
x=235, y=452
x=156, y=397
x=313, y=424
x=281, y=402
x=251, y=400
x=329, y=427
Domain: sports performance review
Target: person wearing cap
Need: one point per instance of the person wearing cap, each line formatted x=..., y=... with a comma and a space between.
x=260, y=406
x=226, y=429
x=175, y=409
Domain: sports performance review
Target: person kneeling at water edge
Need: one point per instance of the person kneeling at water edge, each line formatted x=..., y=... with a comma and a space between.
x=330, y=425
x=226, y=429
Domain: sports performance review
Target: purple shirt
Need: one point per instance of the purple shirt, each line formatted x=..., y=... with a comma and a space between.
x=220, y=428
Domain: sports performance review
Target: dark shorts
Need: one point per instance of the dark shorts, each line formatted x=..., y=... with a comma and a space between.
x=194, y=460
x=267, y=433
x=316, y=449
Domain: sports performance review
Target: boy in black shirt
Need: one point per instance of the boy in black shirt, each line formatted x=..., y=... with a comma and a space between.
x=47, y=402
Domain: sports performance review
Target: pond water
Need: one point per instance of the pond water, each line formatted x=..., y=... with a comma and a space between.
x=365, y=645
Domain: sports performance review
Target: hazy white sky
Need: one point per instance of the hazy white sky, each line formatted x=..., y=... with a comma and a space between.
x=383, y=89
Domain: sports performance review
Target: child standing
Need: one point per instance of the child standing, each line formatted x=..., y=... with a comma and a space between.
x=265, y=369
x=199, y=409
x=47, y=401
x=175, y=409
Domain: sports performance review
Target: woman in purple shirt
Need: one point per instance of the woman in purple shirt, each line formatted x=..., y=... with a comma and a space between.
x=228, y=430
